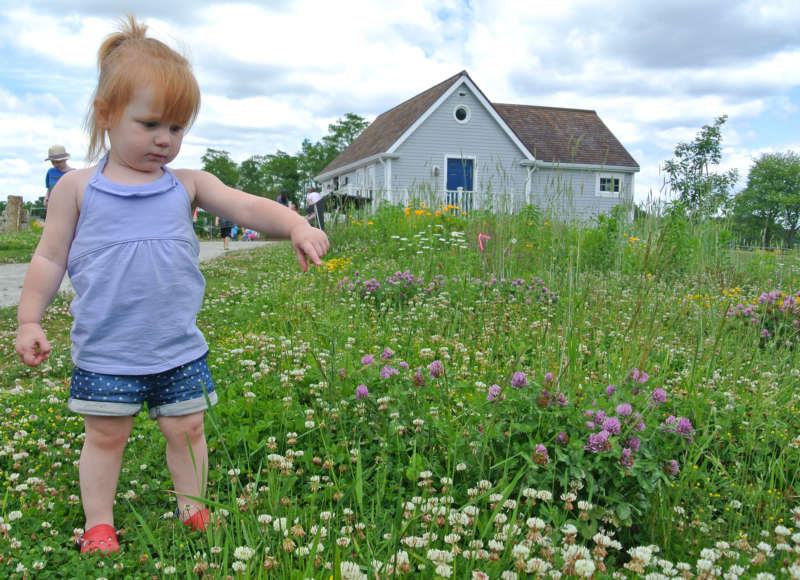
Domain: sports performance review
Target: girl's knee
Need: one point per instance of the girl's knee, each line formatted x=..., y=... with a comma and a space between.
x=108, y=432
x=179, y=429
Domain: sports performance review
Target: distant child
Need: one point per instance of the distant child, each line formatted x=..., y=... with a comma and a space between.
x=57, y=155
x=123, y=230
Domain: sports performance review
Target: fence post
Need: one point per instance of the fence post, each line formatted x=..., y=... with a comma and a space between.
x=14, y=215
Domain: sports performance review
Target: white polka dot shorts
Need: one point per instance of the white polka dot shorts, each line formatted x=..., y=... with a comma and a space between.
x=180, y=391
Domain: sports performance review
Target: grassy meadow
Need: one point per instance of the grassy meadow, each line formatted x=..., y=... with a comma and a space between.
x=454, y=396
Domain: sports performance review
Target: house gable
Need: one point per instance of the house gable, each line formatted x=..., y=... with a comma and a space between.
x=387, y=128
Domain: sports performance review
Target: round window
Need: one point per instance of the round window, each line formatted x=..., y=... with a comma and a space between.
x=461, y=113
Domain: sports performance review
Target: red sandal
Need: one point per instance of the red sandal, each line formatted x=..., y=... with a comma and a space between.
x=99, y=538
x=199, y=520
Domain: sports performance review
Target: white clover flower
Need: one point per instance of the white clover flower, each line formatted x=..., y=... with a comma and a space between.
x=535, y=523
x=444, y=570
x=15, y=515
x=461, y=467
x=536, y=566
x=520, y=551
x=243, y=553
x=544, y=495
x=239, y=566
x=351, y=571
x=782, y=530
x=170, y=570
x=584, y=568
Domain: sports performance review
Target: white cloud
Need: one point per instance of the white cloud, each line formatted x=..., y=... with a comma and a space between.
x=275, y=73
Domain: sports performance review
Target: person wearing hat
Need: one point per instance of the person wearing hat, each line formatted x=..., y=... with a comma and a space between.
x=58, y=156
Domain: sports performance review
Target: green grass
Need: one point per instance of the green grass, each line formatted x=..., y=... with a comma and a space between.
x=425, y=472
x=18, y=247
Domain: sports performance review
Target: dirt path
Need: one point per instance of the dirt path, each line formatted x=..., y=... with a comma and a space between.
x=12, y=275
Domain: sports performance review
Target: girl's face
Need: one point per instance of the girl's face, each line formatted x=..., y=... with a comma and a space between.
x=141, y=139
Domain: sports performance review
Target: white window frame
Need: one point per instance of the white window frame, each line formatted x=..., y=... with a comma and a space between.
x=467, y=109
x=618, y=176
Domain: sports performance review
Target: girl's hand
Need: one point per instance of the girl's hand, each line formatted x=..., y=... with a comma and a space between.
x=31, y=344
x=309, y=244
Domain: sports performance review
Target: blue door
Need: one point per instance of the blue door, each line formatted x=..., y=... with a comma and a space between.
x=459, y=174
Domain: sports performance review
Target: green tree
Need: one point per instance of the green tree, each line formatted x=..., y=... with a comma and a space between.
x=219, y=163
x=691, y=173
x=253, y=175
x=314, y=157
x=284, y=174
x=771, y=199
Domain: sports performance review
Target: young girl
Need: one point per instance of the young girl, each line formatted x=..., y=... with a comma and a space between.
x=123, y=230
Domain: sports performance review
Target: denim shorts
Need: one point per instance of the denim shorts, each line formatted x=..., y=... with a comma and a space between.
x=176, y=392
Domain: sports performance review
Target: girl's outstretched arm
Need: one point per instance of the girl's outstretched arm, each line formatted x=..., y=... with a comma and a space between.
x=46, y=270
x=257, y=213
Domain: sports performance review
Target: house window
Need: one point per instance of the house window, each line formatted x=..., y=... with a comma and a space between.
x=461, y=113
x=609, y=185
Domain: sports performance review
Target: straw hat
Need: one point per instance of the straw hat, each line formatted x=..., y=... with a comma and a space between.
x=57, y=153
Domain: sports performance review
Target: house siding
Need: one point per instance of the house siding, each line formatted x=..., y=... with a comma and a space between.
x=573, y=192
x=498, y=175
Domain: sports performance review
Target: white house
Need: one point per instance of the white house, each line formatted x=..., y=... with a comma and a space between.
x=450, y=146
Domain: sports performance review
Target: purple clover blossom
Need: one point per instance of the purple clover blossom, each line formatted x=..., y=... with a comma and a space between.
x=634, y=443
x=387, y=353
x=403, y=364
x=670, y=420
x=684, y=427
x=611, y=424
x=624, y=409
x=548, y=378
x=519, y=380
x=562, y=438
x=598, y=442
x=495, y=392
x=591, y=425
x=640, y=426
x=540, y=456
x=671, y=467
x=659, y=396
x=436, y=369
x=362, y=392
x=419, y=379
x=600, y=416
x=561, y=399
x=388, y=371
x=610, y=389
x=367, y=359
x=639, y=376
x=626, y=460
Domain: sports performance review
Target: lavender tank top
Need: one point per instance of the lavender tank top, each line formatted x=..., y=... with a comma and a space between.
x=134, y=266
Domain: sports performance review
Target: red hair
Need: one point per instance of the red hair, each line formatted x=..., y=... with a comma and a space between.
x=128, y=60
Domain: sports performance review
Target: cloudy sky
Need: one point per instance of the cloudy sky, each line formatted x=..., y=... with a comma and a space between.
x=275, y=72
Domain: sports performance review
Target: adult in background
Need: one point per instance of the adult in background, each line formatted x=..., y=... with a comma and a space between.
x=57, y=155
x=315, y=209
x=282, y=198
x=225, y=226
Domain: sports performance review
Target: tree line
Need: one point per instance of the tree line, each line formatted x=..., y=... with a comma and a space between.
x=267, y=175
x=765, y=212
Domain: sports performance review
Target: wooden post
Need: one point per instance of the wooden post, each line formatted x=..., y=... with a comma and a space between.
x=14, y=213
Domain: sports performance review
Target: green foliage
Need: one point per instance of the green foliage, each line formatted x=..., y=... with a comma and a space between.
x=19, y=247
x=600, y=244
x=769, y=207
x=432, y=450
x=691, y=176
x=220, y=164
